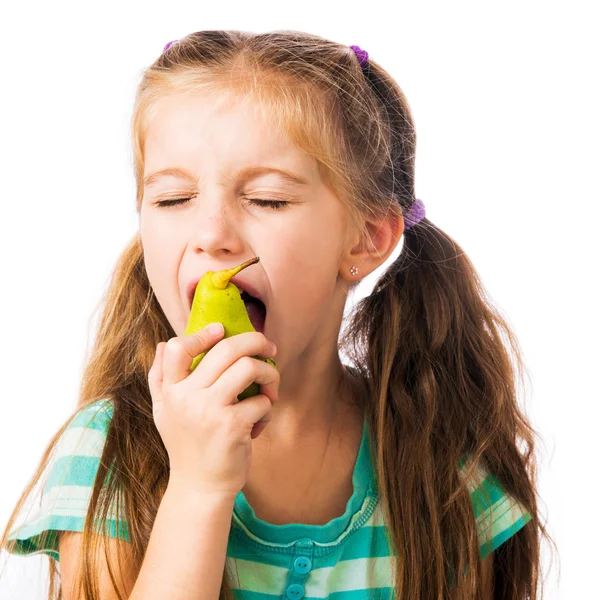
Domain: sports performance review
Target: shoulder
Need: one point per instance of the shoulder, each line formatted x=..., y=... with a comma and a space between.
x=61, y=503
x=498, y=515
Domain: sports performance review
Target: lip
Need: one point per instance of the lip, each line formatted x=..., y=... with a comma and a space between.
x=242, y=284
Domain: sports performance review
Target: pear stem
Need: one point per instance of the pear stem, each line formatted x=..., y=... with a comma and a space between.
x=220, y=279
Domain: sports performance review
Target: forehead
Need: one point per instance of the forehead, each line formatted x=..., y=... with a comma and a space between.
x=204, y=133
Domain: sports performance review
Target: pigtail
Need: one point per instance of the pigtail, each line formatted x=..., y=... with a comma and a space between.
x=431, y=347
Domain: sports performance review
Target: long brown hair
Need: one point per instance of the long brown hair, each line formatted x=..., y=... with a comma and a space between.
x=439, y=361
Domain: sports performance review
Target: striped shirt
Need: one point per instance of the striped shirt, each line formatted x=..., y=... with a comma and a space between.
x=348, y=556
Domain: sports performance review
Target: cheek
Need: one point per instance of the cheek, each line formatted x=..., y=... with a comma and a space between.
x=160, y=245
x=159, y=278
x=154, y=232
x=306, y=255
x=160, y=262
x=155, y=257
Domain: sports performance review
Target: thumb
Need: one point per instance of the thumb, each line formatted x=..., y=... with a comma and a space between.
x=155, y=374
x=181, y=354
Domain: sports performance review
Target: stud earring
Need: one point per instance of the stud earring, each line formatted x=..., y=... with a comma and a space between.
x=353, y=270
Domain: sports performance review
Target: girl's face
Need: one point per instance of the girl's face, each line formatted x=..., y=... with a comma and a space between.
x=218, y=156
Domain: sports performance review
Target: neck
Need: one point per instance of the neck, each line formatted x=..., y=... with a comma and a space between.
x=322, y=408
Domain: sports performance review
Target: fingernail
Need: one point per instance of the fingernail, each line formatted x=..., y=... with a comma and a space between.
x=273, y=347
x=215, y=328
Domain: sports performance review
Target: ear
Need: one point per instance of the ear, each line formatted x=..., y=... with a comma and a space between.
x=369, y=249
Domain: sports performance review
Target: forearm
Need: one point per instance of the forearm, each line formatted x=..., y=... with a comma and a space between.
x=186, y=554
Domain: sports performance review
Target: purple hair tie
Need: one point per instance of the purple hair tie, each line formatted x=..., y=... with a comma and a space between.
x=167, y=46
x=415, y=214
x=363, y=55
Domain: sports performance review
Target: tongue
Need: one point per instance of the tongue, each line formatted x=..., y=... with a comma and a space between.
x=256, y=315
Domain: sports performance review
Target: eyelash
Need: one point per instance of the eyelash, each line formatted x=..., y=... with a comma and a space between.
x=275, y=204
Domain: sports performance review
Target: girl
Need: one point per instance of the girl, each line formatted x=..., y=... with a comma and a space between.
x=409, y=475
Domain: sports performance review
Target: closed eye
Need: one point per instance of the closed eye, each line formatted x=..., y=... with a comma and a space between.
x=275, y=204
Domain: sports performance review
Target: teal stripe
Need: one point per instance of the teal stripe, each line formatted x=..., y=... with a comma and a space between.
x=96, y=416
x=367, y=542
x=30, y=536
x=73, y=470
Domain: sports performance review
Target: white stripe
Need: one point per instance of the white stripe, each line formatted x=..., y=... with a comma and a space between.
x=81, y=441
x=350, y=575
x=257, y=577
x=478, y=476
x=345, y=576
x=377, y=518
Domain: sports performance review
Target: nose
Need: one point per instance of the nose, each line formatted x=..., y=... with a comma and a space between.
x=216, y=225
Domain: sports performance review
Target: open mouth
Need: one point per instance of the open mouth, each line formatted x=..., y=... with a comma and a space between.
x=257, y=311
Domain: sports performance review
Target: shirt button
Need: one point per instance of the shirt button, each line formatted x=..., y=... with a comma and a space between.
x=302, y=565
x=294, y=592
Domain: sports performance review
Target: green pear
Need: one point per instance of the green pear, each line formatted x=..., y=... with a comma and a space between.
x=218, y=300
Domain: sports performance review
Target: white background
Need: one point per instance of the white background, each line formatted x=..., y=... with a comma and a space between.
x=505, y=98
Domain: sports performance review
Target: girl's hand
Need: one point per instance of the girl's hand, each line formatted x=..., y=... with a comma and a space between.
x=207, y=432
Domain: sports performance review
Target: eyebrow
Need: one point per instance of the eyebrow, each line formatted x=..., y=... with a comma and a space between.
x=246, y=174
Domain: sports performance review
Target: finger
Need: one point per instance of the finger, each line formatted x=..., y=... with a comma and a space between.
x=250, y=343
x=241, y=374
x=256, y=412
x=181, y=351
